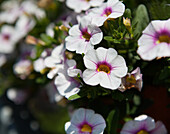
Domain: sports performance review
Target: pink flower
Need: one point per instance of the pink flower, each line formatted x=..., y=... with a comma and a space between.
x=104, y=67
x=85, y=121
x=155, y=41
x=143, y=125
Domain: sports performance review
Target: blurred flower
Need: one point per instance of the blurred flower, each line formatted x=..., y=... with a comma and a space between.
x=8, y=38
x=85, y=121
x=132, y=80
x=39, y=64
x=23, y=68
x=83, y=36
x=18, y=96
x=10, y=11
x=54, y=95
x=14, y=10
x=24, y=25
x=82, y=5
x=110, y=9
x=66, y=81
x=104, y=67
x=30, y=7
x=155, y=41
x=55, y=60
x=3, y=59
x=50, y=30
x=143, y=124
x=5, y=115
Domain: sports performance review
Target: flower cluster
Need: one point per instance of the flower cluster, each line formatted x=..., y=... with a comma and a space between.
x=59, y=55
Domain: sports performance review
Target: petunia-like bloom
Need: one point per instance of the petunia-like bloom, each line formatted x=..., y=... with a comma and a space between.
x=85, y=121
x=112, y=9
x=39, y=64
x=66, y=81
x=83, y=36
x=82, y=5
x=8, y=39
x=155, y=41
x=104, y=67
x=55, y=61
x=143, y=124
x=132, y=80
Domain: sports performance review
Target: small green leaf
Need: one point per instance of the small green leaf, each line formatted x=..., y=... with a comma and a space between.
x=112, y=121
x=47, y=39
x=138, y=22
x=108, y=38
x=73, y=97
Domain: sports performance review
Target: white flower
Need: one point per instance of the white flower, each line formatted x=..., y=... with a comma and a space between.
x=30, y=7
x=39, y=64
x=85, y=121
x=50, y=30
x=8, y=39
x=132, y=80
x=111, y=9
x=55, y=61
x=155, y=41
x=83, y=36
x=66, y=81
x=10, y=11
x=3, y=59
x=9, y=16
x=104, y=67
x=23, y=68
x=143, y=124
x=24, y=25
x=82, y=5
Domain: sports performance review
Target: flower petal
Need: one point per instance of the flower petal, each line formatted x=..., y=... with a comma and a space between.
x=90, y=59
x=97, y=34
x=71, y=129
x=91, y=77
x=110, y=55
x=78, y=116
x=74, y=30
x=101, y=53
x=119, y=66
x=110, y=81
x=159, y=128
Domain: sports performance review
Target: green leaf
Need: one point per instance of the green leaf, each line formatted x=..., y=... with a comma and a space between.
x=112, y=121
x=141, y=20
x=73, y=97
x=47, y=39
x=108, y=38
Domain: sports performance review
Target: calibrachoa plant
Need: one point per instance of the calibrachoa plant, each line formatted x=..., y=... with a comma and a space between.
x=85, y=61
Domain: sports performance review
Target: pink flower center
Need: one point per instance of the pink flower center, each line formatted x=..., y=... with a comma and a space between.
x=107, y=11
x=86, y=128
x=6, y=37
x=87, y=0
x=142, y=132
x=164, y=38
x=86, y=35
x=104, y=68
